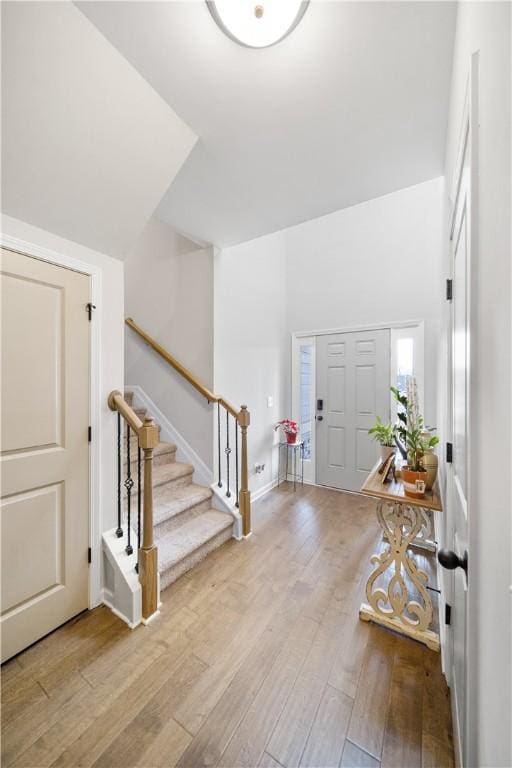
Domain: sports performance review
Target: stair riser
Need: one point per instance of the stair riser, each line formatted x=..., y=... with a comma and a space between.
x=183, y=517
x=158, y=459
x=172, y=574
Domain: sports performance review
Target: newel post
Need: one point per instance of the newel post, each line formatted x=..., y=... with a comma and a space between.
x=148, y=553
x=244, y=419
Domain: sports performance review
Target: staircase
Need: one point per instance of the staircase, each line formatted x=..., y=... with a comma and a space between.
x=186, y=527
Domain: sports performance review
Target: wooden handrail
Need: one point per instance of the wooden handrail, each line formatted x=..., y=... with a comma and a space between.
x=148, y=436
x=181, y=369
x=116, y=402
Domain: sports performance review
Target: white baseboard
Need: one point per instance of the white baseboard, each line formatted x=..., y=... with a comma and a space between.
x=255, y=495
x=203, y=475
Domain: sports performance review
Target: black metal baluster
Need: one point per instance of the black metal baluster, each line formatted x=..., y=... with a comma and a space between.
x=128, y=484
x=228, y=451
x=236, y=460
x=119, y=531
x=218, y=444
x=139, y=504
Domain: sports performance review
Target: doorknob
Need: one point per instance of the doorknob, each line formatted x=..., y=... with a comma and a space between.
x=319, y=418
x=451, y=560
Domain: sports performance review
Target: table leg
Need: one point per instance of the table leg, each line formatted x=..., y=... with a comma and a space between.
x=294, y=468
x=302, y=463
x=394, y=607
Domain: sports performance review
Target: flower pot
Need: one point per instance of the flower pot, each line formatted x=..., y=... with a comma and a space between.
x=291, y=438
x=386, y=451
x=430, y=463
x=414, y=483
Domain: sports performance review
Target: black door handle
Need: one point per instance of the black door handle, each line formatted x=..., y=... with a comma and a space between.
x=319, y=418
x=451, y=560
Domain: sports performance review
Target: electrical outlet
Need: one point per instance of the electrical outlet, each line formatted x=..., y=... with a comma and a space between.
x=258, y=468
x=270, y=401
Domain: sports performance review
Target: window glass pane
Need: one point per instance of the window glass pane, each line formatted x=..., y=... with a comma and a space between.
x=306, y=382
x=405, y=362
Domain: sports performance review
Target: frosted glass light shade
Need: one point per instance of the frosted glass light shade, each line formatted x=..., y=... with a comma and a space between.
x=257, y=23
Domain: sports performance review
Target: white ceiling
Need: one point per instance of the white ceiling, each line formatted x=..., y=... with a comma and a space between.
x=351, y=106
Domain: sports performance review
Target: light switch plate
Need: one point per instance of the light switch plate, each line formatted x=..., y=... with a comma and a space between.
x=270, y=401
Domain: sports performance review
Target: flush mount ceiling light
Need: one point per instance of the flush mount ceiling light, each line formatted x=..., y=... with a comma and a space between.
x=257, y=23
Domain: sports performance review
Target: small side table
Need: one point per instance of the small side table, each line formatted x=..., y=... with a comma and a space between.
x=297, y=447
x=401, y=602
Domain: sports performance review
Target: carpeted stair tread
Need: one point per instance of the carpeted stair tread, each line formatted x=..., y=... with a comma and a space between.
x=166, y=473
x=176, y=545
x=174, y=501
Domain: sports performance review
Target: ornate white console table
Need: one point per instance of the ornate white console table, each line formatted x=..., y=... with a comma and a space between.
x=401, y=603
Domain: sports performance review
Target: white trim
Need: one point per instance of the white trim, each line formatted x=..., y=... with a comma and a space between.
x=358, y=328
x=255, y=495
x=169, y=433
x=68, y=262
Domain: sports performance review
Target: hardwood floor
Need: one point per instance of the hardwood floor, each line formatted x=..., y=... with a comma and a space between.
x=258, y=659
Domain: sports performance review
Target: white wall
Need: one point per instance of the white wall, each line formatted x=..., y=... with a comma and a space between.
x=376, y=262
x=169, y=293
x=88, y=146
x=486, y=27
x=110, y=304
x=251, y=344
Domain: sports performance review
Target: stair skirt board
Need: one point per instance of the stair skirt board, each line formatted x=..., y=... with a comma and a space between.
x=187, y=522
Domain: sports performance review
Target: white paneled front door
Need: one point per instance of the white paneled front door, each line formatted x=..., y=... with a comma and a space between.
x=352, y=388
x=44, y=448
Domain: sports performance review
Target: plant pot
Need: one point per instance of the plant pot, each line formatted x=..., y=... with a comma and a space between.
x=414, y=482
x=430, y=463
x=386, y=451
x=291, y=438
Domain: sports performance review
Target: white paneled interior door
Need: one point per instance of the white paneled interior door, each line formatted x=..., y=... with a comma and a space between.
x=352, y=388
x=44, y=448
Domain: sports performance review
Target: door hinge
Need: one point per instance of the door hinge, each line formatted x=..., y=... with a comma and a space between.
x=89, y=555
x=449, y=290
x=449, y=453
x=447, y=614
x=89, y=434
x=89, y=307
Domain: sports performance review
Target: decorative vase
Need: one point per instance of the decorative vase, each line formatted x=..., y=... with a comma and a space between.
x=431, y=463
x=291, y=438
x=414, y=483
x=386, y=451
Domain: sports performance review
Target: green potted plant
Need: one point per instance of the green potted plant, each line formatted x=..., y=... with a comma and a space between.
x=384, y=435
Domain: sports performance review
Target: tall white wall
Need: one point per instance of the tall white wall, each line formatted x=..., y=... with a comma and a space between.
x=169, y=293
x=111, y=371
x=251, y=344
x=486, y=28
x=376, y=262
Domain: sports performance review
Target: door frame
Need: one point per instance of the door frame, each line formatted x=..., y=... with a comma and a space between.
x=94, y=273
x=468, y=132
x=298, y=336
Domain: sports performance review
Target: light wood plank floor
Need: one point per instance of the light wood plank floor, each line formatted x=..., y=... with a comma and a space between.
x=258, y=659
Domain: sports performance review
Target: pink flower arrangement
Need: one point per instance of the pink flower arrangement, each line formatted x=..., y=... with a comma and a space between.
x=290, y=429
